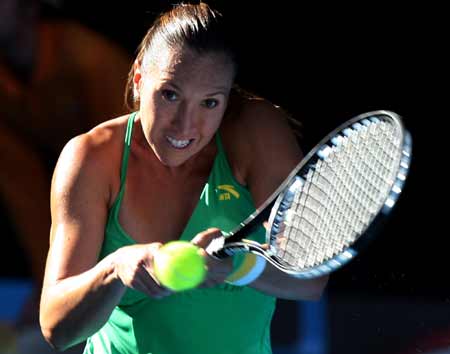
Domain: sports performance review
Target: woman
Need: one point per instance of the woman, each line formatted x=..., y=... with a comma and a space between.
x=197, y=158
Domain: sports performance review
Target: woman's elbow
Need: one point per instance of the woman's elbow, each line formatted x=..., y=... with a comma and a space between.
x=53, y=334
x=52, y=337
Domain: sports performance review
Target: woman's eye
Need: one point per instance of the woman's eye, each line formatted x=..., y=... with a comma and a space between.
x=169, y=95
x=210, y=103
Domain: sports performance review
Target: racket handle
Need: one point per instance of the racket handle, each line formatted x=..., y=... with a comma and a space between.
x=215, y=248
x=246, y=246
x=220, y=254
x=219, y=250
x=250, y=226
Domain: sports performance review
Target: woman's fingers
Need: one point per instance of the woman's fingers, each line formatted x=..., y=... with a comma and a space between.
x=203, y=239
x=135, y=269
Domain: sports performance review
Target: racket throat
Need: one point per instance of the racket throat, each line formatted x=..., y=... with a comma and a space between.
x=246, y=246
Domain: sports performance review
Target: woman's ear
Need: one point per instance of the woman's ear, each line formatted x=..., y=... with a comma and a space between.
x=137, y=76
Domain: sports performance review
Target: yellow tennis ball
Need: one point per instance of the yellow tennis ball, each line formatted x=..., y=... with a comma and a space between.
x=179, y=265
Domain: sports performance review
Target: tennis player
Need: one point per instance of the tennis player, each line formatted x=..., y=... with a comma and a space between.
x=193, y=157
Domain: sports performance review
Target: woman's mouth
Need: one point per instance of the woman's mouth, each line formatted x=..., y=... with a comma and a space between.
x=178, y=144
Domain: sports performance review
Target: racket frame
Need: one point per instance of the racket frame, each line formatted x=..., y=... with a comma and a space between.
x=234, y=241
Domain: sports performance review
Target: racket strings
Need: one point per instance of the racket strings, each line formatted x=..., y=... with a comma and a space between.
x=340, y=195
x=367, y=177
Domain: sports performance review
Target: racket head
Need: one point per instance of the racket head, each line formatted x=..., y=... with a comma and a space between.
x=321, y=248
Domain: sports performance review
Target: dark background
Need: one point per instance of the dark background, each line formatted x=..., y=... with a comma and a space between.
x=324, y=65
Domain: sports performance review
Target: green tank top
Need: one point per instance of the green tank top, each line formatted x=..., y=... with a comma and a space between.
x=225, y=319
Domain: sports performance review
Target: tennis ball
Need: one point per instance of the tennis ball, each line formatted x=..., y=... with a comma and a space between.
x=178, y=265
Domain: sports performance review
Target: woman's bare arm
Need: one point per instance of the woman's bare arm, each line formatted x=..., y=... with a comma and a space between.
x=78, y=294
x=269, y=155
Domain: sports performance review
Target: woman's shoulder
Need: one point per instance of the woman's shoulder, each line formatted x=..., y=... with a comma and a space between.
x=105, y=137
x=100, y=148
x=257, y=134
x=254, y=120
x=93, y=159
x=252, y=112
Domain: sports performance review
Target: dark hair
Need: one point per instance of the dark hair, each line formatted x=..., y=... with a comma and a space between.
x=197, y=26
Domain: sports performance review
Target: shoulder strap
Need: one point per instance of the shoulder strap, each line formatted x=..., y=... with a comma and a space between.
x=220, y=148
x=126, y=149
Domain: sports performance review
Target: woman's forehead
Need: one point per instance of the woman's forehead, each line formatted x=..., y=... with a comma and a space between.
x=186, y=64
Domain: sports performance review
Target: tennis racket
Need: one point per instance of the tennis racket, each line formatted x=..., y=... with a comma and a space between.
x=329, y=206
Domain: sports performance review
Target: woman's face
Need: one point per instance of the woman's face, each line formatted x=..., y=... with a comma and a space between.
x=183, y=97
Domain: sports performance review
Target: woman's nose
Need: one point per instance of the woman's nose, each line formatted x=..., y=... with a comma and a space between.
x=185, y=119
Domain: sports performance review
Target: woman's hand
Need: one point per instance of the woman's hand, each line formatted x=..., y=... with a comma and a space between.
x=134, y=268
x=218, y=270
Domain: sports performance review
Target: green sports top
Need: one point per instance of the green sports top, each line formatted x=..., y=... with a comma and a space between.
x=225, y=319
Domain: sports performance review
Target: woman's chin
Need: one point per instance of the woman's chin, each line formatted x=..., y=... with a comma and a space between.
x=173, y=161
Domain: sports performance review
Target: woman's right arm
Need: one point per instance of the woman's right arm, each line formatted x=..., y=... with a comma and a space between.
x=79, y=294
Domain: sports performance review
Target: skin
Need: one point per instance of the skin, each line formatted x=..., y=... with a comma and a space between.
x=184, y=96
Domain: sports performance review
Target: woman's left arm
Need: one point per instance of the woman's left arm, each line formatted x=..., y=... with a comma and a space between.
x=278, y=284
x=271, y=152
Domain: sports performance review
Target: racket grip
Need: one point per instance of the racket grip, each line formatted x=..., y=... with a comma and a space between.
x=218, y=250
x=220, y=254
x=236, y=248
x=215, y=248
